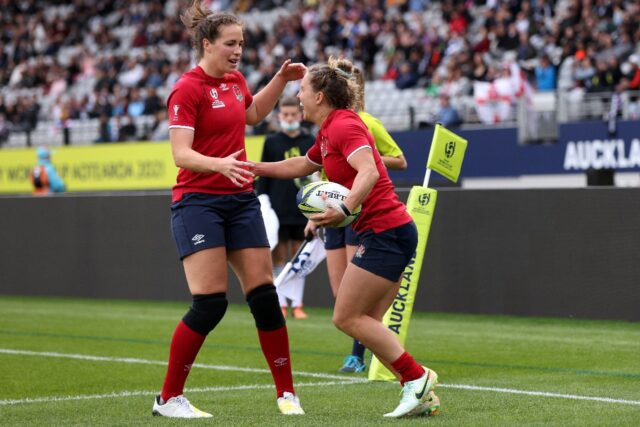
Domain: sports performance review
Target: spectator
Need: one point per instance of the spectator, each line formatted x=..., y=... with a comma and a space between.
x=447, y=115
x=159, y=130
x=378, y=35
x=62, y=112
x=406, y=78
x=604, y=79
x=152, y=102
x=136, y=105
x=545, y=75
x=127, y=130
x=104, y=129
x=634, y=72
x=583, y=70
x=44, y=177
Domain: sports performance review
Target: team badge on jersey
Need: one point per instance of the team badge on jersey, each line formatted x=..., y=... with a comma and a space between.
x=176, y=107
x=238, y=93
x=217, y=103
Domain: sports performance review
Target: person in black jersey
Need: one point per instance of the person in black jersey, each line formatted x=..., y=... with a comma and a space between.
x=290, y=141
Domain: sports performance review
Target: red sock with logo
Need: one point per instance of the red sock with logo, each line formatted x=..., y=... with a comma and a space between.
x=275, y=347
x=408, y=368
x=185, y=345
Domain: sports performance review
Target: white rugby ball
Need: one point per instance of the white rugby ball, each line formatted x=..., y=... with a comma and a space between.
x=314, y=198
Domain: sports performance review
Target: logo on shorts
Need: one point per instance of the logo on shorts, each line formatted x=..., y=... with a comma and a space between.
x=281, y=361
x=360, y=251
x=197, y=239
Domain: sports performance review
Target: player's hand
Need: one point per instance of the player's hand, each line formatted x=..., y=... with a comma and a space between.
x=329, y=218
x=292, y=70
x=236, y=170
x=311, y=228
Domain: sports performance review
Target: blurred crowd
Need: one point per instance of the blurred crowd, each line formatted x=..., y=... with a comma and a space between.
x=62, y=60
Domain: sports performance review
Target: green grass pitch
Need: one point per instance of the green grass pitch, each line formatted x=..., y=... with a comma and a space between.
x=73, y=362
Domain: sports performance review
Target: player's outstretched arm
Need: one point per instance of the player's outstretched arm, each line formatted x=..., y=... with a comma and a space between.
x=293, y=167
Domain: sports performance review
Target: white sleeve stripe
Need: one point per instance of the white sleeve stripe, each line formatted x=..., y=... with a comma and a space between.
x=356, y=150
x=181, y=127
x=317, y=164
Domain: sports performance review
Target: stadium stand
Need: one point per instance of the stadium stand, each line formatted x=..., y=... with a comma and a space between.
x=68, y=71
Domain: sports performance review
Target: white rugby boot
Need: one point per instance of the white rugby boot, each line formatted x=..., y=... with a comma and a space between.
x=415, y=393
x=177, y=407
x=289, y=404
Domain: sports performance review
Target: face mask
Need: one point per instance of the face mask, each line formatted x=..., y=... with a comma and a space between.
x=289, y=127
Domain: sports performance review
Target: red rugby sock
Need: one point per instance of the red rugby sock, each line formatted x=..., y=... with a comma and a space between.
x=275, y=347
x=408, y=368
x=185, y=345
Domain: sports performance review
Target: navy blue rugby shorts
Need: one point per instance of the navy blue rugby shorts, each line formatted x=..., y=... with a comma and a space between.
x=388, y=253
x=200, y=221
x=336, y=238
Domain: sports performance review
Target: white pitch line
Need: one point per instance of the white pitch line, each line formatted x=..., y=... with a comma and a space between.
x=164, y=363
x=153, y=393
x=341, y=380
x=540, y=393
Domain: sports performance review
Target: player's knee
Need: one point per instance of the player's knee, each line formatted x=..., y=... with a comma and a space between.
x=206, y=312
x=264, y=305
x=343, y=323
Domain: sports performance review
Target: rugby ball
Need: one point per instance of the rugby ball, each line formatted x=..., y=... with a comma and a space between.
x=314, y=198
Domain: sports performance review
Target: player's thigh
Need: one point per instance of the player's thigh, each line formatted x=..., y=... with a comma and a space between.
x=385, y=302
x=360, y=293
x=380, y=308
x=252, y=266
x=206, y=271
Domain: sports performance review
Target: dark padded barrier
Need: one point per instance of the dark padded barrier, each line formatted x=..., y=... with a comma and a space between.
x=563, y=253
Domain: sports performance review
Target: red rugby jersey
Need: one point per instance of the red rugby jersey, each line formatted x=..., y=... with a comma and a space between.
x=342, y=134
x=214, y=108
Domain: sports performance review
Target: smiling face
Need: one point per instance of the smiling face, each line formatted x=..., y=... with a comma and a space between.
x=223, y=54
x=308, y=98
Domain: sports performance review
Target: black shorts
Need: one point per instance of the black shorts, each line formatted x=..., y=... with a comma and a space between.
x=388, y=253
x=201, y=221
x=336, y=238
x=291, y=232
